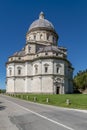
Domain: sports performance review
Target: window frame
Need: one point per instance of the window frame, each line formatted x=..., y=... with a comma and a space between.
x=10, y=71
x=36, y=69
x=19, y=70
x=58, y=68
x=46, y=67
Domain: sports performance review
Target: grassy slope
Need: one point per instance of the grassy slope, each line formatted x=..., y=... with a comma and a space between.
x=77, y=100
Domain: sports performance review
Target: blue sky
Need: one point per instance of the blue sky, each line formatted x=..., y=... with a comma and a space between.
x=69, y=18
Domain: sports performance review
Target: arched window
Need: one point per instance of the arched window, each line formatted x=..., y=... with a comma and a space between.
x=34, y=37
x=19, y=70
x=10, y=71
x=41, y=36
x=46, y=68
x=58, y=68
x=36, y=69
x=47, y=36
x=53, y=39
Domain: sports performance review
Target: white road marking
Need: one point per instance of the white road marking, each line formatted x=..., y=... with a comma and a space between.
x=44, y=117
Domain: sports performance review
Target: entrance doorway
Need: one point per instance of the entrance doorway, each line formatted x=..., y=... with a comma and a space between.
x=57, y=89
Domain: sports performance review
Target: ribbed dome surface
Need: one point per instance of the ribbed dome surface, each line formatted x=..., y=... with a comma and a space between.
x=41, y=23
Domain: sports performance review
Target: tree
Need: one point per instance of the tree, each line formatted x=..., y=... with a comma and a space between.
x=80, y=80
x=2, y=91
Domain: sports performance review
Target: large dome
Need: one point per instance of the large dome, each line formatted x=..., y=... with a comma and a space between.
x=41, y=23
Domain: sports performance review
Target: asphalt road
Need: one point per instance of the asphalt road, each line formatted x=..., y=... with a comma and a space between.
x=17, y=114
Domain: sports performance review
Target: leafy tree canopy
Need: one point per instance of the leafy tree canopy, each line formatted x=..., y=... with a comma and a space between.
x=2, y=90
x=80, y=80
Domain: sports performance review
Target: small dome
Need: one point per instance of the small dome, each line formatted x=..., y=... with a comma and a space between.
x=41, y=22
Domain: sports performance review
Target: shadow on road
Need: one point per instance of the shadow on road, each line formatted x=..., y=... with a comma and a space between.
x=2, y=107
x=1, y=102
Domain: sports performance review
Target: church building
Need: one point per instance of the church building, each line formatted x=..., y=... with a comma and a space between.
x=42, y=65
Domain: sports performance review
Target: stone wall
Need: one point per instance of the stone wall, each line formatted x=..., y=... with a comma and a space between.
x=37, y=80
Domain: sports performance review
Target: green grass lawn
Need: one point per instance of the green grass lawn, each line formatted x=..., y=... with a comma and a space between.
x=77, y=100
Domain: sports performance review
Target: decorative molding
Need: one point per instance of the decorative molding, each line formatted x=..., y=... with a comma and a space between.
x=38, y=75
x=39, y=58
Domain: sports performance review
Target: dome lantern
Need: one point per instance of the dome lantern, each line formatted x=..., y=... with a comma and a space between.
x=41, y=16
x=41, y=23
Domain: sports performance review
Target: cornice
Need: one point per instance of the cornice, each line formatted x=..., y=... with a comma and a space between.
x=40, y=58
x=42, y=28
x=38, y=75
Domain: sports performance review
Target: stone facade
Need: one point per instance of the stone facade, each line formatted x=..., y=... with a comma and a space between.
x=41, y=66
